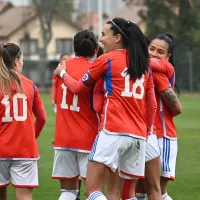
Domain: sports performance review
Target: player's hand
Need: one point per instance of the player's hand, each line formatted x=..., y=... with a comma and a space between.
x=59, y=69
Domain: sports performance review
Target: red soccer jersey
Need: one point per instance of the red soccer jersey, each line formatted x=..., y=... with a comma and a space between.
x=53, y=88
x=124, y=103
x=17, y=132
x=76, y=122
x=163, y=122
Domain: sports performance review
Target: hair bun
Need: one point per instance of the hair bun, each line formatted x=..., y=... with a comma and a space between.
x=169, y=35
x=86, y=36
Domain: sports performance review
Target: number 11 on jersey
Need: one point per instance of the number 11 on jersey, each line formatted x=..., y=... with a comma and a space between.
x=64, y=105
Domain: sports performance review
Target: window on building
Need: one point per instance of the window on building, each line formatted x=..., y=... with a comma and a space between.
x=29, y=46
x=64, y=46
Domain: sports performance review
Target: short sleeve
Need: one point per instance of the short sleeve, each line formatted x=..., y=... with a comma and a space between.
x=98, y=68
x=161, y=82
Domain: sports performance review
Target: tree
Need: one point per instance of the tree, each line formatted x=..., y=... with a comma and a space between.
x=180, y=17
x=47, y=11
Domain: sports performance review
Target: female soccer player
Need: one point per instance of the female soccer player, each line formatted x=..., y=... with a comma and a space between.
x=19, y=103
x=168, y=107
x=76, y=122
x=161, y=62
x=128, y=84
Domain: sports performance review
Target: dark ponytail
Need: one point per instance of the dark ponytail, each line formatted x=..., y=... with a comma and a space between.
x=136, y=44
x=85, y=43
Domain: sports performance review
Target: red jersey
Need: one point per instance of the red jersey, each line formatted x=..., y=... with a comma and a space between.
x=76, y=122
x=53, y=88
x=17, y=132
x=163, y=122
x=124, y=102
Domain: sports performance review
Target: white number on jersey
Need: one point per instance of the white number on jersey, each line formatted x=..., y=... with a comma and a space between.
x=6, y=101
x=63, y=105
x=138, y=83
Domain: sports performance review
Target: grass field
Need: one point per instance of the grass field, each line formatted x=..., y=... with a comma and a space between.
x=186, y=185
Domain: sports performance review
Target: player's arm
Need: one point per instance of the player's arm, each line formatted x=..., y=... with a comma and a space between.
x=77, y=87
x=167, y=94
x=53, y=89
x=151, y=104
x=39, y=113
x=98, y=97
x=172, y=102
x=156, y=65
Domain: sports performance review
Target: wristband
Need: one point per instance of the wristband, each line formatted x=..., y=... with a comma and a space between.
x=62, y=73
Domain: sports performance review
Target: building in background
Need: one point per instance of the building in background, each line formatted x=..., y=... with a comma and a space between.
x=26, y=32
x=87, y=6
x=88, y=16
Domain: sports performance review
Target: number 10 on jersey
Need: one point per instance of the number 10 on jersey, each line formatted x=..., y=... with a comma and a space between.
x=64, y=105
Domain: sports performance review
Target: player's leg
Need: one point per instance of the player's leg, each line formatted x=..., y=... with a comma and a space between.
x=113, y=185
x=24, y=176
x=3, y=193
x=23, y=193
x=104, y=154
x=4, y=178
x=66, y=170
x=151, y=183
x=83, y=165
x=95, y=181
x=152, y=179
x=169, y=149
x=79, y=187
x=132, y=164
x=69, y=189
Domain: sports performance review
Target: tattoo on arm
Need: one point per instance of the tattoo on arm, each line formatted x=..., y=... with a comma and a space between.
x=170, y=97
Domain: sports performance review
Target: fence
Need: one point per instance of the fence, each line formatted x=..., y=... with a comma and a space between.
x=40, y=72
x=187, y=67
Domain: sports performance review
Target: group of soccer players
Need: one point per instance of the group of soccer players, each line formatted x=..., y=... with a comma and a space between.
x=114, y=119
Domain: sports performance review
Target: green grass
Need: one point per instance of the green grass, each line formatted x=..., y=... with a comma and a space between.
x=186, y=184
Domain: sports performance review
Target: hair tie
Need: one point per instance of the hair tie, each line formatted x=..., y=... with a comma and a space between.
x=128, y=23
x=4, y=45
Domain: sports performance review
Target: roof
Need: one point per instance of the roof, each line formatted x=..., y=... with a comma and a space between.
x=18, y=16
x=89, y=21
x=14, y=18
x=4, y=6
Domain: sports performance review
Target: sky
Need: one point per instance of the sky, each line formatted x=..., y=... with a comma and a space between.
x=18, y=2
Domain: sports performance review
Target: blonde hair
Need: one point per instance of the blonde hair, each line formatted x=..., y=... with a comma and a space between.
x=8, y=77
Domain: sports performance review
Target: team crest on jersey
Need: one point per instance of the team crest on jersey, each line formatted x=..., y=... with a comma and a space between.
x=86, y=77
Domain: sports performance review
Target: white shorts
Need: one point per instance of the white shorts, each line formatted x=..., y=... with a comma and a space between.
x=22, y=173
x=152, y=148
x=123, y=152
x=169, y=149
x=69, y=164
